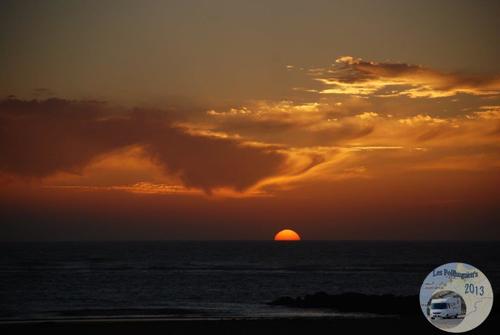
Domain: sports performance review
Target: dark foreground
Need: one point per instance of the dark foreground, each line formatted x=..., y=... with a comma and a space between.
x=407, y=325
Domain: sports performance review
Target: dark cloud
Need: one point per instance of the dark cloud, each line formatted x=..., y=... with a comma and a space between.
x=43, y=92
x=359, y=77
x=39, y=138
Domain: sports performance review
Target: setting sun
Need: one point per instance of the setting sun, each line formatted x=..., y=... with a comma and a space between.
x=287, y=235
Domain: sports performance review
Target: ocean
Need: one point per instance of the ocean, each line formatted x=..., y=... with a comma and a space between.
x=214, y=279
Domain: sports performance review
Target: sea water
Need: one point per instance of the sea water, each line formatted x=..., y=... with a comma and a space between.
x=204, y=279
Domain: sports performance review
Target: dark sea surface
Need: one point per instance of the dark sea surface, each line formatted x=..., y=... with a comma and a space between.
x=214, y=279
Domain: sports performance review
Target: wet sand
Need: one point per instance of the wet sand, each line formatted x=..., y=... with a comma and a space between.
x=386, y=325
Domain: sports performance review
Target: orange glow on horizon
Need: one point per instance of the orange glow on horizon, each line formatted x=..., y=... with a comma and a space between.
x=287, y=235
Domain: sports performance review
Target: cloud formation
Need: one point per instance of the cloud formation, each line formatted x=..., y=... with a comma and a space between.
x=260, y=146
x=40, y=138
x=353, y=140
x=291, y=124
x=355, y=76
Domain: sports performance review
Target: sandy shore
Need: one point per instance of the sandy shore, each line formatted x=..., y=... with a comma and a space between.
x=414, y=325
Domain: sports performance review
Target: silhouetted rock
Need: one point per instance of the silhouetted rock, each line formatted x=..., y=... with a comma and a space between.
x=354, y=302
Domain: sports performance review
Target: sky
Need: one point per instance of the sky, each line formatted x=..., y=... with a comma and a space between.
x=123, y=120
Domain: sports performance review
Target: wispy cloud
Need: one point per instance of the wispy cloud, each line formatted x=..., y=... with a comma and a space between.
x=354, y=76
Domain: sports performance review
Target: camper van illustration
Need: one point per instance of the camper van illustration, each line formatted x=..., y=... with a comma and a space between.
x=446, y=305
x=456, y=297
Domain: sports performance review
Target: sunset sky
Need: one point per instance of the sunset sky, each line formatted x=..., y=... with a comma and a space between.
x=235, y=119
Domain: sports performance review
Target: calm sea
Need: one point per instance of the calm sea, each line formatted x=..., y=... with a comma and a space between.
x=213, y=279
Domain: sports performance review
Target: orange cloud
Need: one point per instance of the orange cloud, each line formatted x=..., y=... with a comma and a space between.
x=354, y=76
x=487, y=113
x=288, y=123
x=250, y=150
x=363, y=141
x=41, y=138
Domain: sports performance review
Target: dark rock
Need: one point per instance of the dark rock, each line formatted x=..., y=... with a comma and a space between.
x=354, y=303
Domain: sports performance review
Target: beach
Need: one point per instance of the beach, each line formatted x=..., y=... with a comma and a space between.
x=416, y=325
